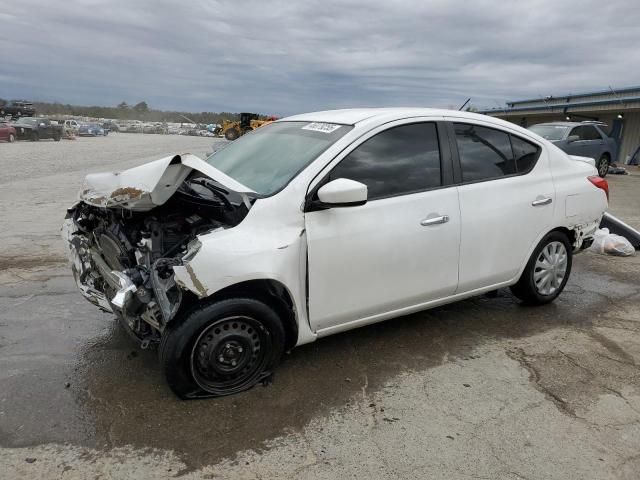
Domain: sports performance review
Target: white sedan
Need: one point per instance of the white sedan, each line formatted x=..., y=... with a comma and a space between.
x=324, y=222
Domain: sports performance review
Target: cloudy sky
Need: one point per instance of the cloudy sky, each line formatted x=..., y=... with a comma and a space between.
x=284, y=57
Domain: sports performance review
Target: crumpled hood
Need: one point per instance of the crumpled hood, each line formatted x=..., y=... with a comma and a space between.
x=152, y=184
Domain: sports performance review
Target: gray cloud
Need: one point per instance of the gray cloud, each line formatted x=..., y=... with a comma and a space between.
x=284, y=57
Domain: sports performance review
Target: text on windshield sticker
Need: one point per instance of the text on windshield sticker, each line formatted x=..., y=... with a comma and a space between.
x=322, y=127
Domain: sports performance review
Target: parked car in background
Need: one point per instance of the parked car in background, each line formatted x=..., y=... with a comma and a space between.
x=584, y=139
x=34, y=129
x=68, y=124
x=111, y=126
x=320, y=223
x=92, y=130
x=17, y=108
x=7, y=132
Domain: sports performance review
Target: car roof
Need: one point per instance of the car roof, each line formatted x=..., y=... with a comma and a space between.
x=566, y=124
x=353, y=116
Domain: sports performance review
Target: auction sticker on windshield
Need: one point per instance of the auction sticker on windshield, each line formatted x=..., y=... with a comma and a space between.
x=322, y=127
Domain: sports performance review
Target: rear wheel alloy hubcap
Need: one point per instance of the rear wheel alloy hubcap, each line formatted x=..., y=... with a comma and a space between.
x=551, y=268
x=230, y=354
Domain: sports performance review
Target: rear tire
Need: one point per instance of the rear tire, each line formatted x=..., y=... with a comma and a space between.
x=547, y=271
x=222, y=348
x=603, y=166
x=35, y=137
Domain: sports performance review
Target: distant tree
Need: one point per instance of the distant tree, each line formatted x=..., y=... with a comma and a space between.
x=141, y=107
x=123, y=106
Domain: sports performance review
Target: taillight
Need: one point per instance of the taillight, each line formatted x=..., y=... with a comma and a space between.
x=600, y=183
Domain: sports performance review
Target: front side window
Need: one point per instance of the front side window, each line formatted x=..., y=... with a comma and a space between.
x=271, y=156
x=401, y=160
x=485, y=153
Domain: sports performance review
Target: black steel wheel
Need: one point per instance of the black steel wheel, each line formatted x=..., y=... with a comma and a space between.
x=229, y=354
x=222, y=348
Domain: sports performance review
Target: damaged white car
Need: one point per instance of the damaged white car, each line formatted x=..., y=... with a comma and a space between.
x=321, y=223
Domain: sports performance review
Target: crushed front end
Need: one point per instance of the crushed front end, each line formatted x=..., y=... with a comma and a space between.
x=122, y=259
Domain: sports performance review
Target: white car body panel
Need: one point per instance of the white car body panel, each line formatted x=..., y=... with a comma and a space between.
x=356, y=270
x=588, y=160
x=376, y=261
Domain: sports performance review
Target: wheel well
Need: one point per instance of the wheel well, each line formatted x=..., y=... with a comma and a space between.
x=607, y=155
x=571, y=234
x=271, y=292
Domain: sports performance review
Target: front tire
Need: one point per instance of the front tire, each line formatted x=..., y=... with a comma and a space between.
x=231, y=134
x=547, y=271
x=222, y=348
x=12, y=138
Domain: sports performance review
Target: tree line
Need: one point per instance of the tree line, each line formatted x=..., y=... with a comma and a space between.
x=138, y=111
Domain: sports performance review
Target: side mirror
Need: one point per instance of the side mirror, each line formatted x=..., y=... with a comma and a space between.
x=342, y=192
x=573, y=138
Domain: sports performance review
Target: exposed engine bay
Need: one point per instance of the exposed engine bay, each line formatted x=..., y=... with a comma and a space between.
x=122, y=259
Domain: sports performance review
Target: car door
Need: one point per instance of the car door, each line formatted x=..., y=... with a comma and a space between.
x=506, y=202
x=398, y=250
x=579, y=146
x=593, y=142
x=4, y=131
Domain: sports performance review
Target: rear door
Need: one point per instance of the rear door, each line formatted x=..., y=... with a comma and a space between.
x=4, y=131
x=506, y=202
x=398, y=250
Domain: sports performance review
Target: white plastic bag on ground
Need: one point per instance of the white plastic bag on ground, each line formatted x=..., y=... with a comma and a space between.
x=611, y=244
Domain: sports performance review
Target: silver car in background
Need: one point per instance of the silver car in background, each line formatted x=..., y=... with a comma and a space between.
x=584, y=139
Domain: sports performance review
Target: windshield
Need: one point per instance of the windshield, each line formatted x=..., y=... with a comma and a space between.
x=26, y=121
x=550, y=132
x=268, y=158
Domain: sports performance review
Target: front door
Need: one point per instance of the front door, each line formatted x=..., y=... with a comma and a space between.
x=398, y=250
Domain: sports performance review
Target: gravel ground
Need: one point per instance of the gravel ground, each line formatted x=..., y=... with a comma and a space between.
x=40, y=180
x=483, y=388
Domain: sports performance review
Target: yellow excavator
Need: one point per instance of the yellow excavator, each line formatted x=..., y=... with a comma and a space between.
x=248, y=121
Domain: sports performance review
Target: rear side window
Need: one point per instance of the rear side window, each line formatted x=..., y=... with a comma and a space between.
x=486, y=153
x=525, y=153
x=401, y=160
x=590, y=133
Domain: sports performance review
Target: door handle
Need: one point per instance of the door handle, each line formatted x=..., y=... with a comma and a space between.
x=434, y=220
x=541, y=201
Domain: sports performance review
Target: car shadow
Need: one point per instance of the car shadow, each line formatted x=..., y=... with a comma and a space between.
x=124, y=392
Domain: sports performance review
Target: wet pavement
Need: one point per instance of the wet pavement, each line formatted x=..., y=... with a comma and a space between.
x=484, y=388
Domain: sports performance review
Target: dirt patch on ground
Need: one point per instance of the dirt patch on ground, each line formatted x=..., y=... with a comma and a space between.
x=29, y=261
